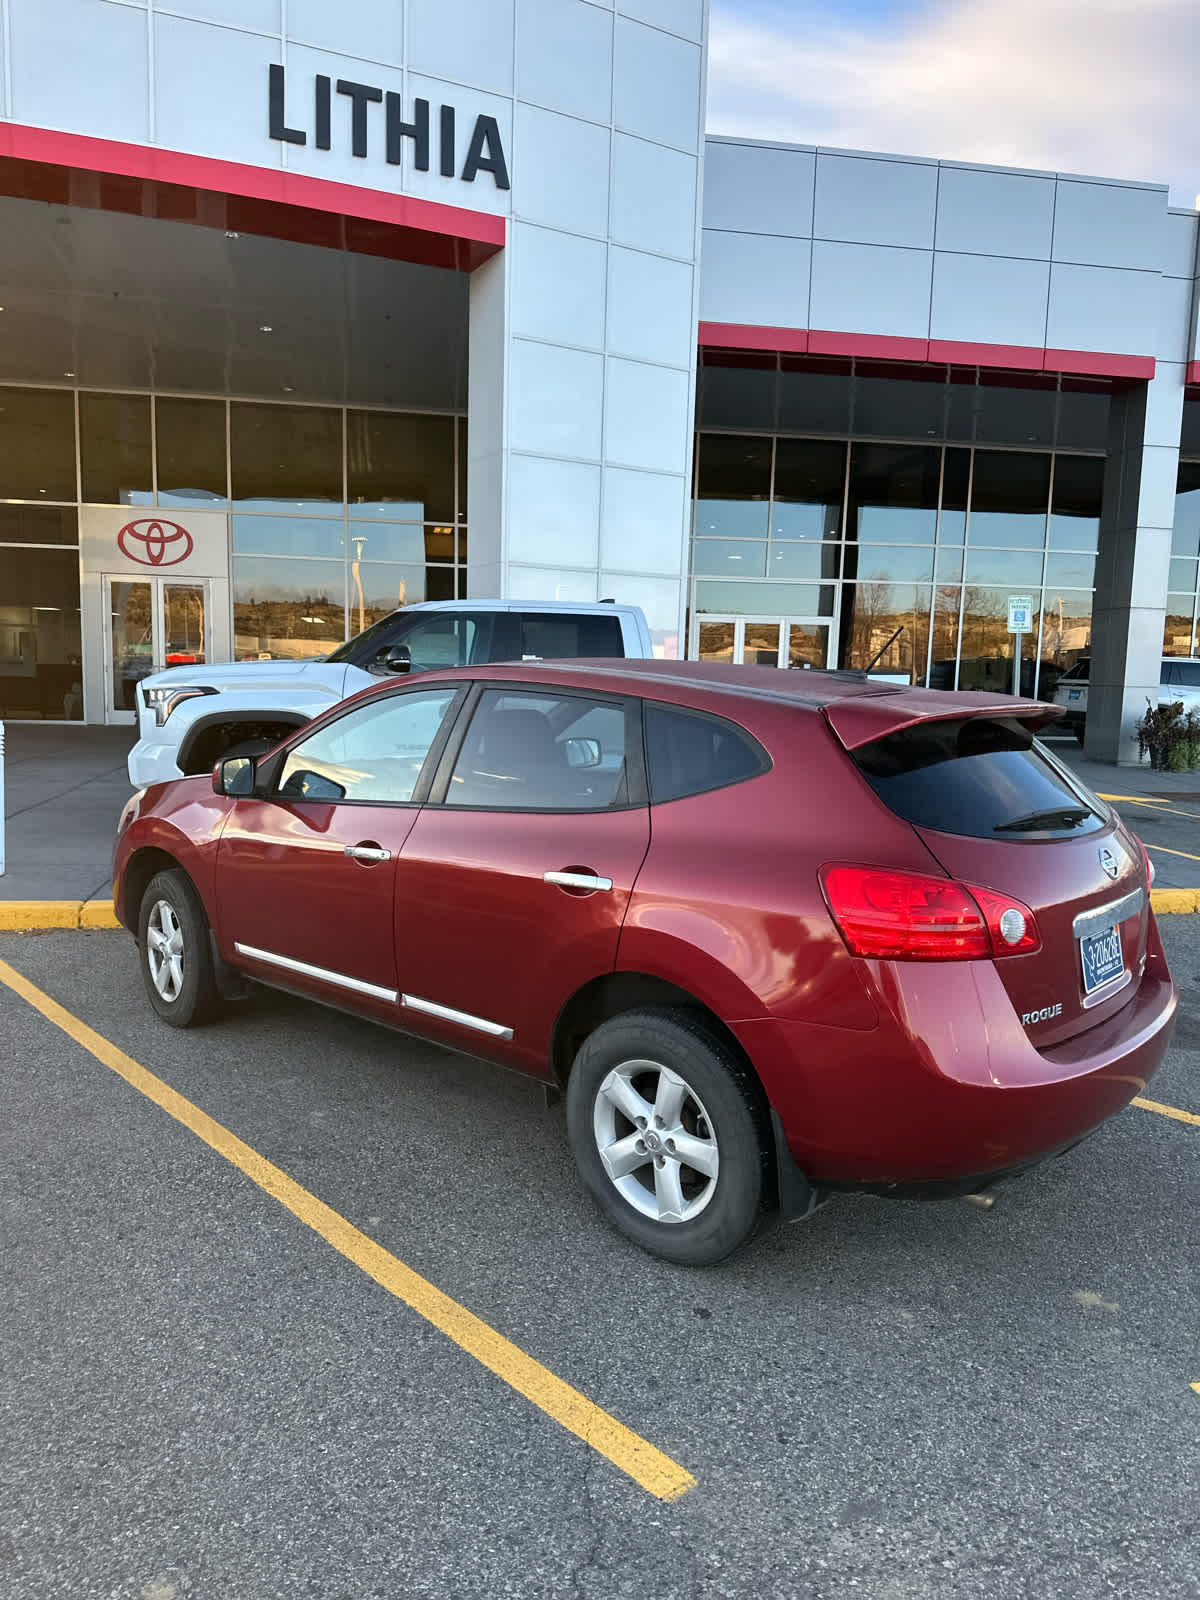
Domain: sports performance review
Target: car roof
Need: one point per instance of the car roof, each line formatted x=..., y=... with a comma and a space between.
x=566, y=607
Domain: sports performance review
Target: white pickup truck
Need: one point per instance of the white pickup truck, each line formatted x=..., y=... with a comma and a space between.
x=189, y=717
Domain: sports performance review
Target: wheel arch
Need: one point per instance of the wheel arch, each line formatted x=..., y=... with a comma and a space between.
x=204, y=737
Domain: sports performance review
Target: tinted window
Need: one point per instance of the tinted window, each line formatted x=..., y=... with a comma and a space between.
x=986, y=777
x=549, y=637
x=541, y=752
x=1079, y=670
x=374, y=753
x=689, y=754
x=1186, y=674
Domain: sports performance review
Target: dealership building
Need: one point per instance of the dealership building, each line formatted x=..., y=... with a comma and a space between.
x=313, y=310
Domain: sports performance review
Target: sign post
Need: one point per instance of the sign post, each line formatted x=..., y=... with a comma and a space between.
x=1020, y=620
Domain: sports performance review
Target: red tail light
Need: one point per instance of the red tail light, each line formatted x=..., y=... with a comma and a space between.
x=910, y=917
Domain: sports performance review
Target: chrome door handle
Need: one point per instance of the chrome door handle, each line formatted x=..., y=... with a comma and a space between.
x=368, y=852
x=577, y=880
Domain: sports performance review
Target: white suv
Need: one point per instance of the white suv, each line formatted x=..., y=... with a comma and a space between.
x=188, y=717
x=1180, y=680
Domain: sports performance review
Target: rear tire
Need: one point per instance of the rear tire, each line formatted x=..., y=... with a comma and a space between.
x=668, y=1134
x=176, y=959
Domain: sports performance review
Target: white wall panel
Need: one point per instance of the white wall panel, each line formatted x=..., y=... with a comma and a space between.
x=861, y=288
x=558, y=286
x=758, y=188
x=1179, y=253
x=463, y=41
x=553, y=512
x=260, y=16
x=1174, y=311
x=83, y=68
x=746, y=277
x=1110, y=225
x=653, y=197
x=1164, y=404
x=1103, y=308
x=659, y=598
x=189, y=57
x=867, y=201
x=685, y=17
x=555, y=400
x=647, y=422
x=551, y=583
x=995, y=213
x=357, y=28
x=564, y=57
x=480, y=195
x=649, y=304
x=560, y=168
x=642, y=522
x=656, y=85
x=339, y=163
x=988, y=300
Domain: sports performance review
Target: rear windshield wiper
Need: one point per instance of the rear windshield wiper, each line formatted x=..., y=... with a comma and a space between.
x=1064, y=817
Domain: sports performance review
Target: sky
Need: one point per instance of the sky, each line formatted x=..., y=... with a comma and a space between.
x=1106, y=88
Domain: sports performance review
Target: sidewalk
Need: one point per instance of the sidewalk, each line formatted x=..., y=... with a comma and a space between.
x=65, y=786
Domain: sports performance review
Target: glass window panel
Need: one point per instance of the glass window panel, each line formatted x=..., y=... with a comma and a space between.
x=1066, y=635
x=1082, y=419
x=1010, y=493
x=37, y=444
x=1186, y=539
x=716, y=641
x=374, y=754
x=734, y=467
x=400, y=466
x=1077, y=571
x=1177, y=627
x=810, y=481
x=1018, y=570
x=814, y=396
x=40, y=649
x=730, y=558
x=764, y=599
x=288, y=536
x=760, y=644
x=287, y=609
x=893, y=493
x=950, y=564
x=808, y=645
x=956, y=477
x=1189, y=442
x=880, y=563
x=386, y=587
x=741, y=396
x=1010, y=415
x=943, y=666
x=732, y=519
x=131, y=639
x=987, y=645
x=395, y=541
x=885, y=627
x=286, y=458
x=804, y=561
x=189, y=437
x=1182, y=576
x=1075, y=505
x=114, y=449
x=441, y=541
x=183, y=624
x=541, y=752
x=689, y=754
x=441, y=583
x=461, y=508
x=39, y=525
x=893, y=408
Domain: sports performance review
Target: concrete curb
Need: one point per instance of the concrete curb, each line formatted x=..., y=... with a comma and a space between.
x=44, y=916
x=41, y=916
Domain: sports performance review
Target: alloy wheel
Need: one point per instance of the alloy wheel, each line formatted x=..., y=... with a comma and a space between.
x=656, y=1141
x=164, y=950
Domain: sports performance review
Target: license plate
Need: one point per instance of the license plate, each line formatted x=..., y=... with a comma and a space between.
x=1103, y=958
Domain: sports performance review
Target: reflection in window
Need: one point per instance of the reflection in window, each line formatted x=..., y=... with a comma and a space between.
x=1178, y=626
x=893, y=493
x=1075, y=504
x=541, y=752
x=1066, y=628
x=943, y=653
x=1010, y=494
x=37, y=444
x=764, y=599
x=810, y=481
x=956, y=479
x=730, y=558
x=114, y=449
x=40, y=651
x=1019, y=570
x=287, y=609
x=889, y=563
x=189, y=439
x=400, y=466
x=734, y=486
x=285, y=458
x=288, y=536
x=885, y=628
x=804, y=562
x=373, y=754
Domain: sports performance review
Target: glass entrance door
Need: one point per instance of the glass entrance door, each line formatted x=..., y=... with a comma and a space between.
x=760, y=641
x=152, y=623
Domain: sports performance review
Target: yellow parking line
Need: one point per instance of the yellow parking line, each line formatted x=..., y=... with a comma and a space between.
x=1163, y=849
x=1166, y=1111
x=645, y=1464
x=1161, y=806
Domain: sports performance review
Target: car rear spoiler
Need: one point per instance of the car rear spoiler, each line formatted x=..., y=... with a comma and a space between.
x=857, y=722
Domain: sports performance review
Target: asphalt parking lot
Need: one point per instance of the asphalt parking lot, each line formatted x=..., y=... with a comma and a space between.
x=200, y=1396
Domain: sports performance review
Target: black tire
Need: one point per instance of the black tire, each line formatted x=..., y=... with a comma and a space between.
x=185, y=995
x=721, y=1110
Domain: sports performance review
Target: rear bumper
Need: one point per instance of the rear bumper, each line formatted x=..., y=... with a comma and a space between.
x=949, y=1092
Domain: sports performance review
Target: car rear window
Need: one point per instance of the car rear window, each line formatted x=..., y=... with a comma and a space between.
x=986, y=777
x=688, y=752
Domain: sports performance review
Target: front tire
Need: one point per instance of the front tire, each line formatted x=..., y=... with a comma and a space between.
x=176, y=958
x=668, y=1134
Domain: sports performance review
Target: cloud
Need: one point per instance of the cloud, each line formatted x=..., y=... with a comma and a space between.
x=1102, y=87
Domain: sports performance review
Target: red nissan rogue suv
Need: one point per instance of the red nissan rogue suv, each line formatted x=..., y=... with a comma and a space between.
x=774, y=934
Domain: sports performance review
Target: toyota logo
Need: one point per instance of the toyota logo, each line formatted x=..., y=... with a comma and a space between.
x=154, y=543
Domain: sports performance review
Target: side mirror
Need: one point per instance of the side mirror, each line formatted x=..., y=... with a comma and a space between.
x=583, y=752
x=393, y=658
x=234, y=776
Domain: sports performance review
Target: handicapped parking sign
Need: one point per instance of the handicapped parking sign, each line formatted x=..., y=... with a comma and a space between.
x=1020, y=613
